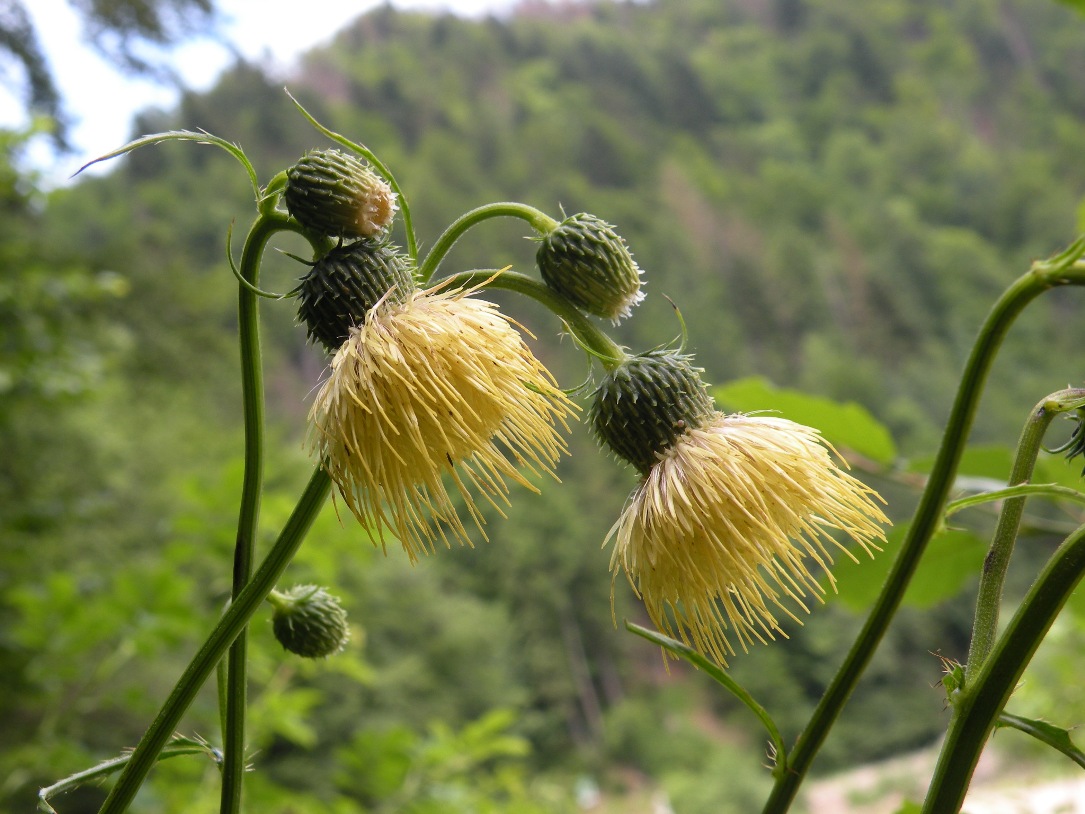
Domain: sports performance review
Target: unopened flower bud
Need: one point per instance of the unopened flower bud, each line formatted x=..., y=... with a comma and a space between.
x=646, y=403
x=588, y=263
x=346, y=283
x=337, y=195
x=309, y=622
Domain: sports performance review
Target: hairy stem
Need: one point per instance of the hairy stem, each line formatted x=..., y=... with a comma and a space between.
x=993, y=576
x=979, y=704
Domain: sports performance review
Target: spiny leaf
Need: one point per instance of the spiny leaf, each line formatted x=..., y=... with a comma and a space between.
x=178, y=745
x=200, y=137
x=1054, y=736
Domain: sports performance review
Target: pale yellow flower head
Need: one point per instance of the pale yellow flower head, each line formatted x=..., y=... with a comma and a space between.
x=438, y=388
x=720, y=535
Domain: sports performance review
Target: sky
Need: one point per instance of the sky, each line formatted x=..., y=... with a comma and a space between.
x=102, y=101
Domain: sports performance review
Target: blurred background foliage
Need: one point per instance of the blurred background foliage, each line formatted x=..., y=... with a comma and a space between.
x=833, y=195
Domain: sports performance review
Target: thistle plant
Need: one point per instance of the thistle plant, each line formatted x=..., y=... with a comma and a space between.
x=434, y=402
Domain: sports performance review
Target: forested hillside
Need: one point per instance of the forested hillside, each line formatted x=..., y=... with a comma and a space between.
x=831, y=195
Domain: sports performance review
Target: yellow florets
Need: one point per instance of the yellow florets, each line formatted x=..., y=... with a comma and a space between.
x=439, y=385
x=718, y=536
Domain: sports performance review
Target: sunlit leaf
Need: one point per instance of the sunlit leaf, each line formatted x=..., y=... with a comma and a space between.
x=979, y=462
x=952, y=558
x=846, y=425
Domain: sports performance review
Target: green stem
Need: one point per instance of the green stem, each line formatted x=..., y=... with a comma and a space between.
x=779, y=750
x=1062, y=270
x=252, y=393
x=980, y=703
x=269, y=223
x=993, y=575
x=540, y=222
x=227, y=629
x=586, y=332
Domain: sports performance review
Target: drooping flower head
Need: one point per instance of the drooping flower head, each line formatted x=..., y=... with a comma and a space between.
x=719, y=537
x=437, y=387
x=342, y=287
x=338, y=195
x=586, y=261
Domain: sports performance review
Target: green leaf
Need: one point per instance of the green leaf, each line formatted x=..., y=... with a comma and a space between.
x=1054, y=736
x=843, y=424
x=687, y=653
x=200, y=137
x=1076, y=603
x=1050, y=490
x=177, y=747
x=952, y=558
x=991, y=462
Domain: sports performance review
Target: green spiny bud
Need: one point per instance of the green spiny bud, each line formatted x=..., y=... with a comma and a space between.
x=588, y=263
x=346, y=283
x=335, y=194
x=646, y=403
x=309, y=621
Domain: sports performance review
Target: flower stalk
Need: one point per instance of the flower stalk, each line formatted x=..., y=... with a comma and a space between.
x=539, y=221
x=1063, y=269
x=229, y=626
x=590, y=337
x=252, y=394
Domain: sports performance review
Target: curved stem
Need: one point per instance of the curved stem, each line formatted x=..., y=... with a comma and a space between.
x=779, y=750
x=993, y=575
x=540, y=222
x=586, y=332
x=263, y=228
x=252, y=395
x=1062, y=270
x=979, y=705
x=229, y=626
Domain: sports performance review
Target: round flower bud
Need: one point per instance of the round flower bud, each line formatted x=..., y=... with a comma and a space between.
x=646, y=403
x=309, y=621
x=346, y=283
x=588, y=263
x=335, y=194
